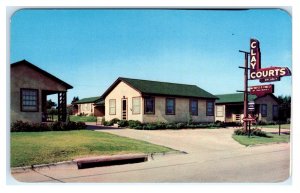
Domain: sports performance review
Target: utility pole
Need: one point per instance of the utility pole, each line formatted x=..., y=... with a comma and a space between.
x=245, y=89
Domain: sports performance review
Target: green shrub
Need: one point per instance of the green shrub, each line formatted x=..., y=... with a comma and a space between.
x=161, y=125
x=180, y=125
x=170, y=126
x=20, y=126
x=255, y=132
x=133, y=124
x=259, y=132
x=80, y=126
x=123, y=123
x=114, y=121
x=139, y=127
x=106, y=123
x=150, y=126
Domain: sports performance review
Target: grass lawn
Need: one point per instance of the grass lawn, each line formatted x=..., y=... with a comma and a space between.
x=283, y=126
x=29, y=148
x=254, y=140
x=82, y=118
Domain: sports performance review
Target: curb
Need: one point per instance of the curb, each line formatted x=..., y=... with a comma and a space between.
x=153, y=155
x=41, y=166
x=101, y=160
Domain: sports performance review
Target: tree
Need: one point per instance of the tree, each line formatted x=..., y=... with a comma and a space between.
x=75, y=99
x=284, y=107
x=50, y=104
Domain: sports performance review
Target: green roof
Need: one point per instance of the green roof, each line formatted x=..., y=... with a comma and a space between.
x=100, y=102
x=234, y=98
x=163, y=88
x=88, y=100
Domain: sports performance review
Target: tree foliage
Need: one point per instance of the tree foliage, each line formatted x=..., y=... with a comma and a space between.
x=284, y=107
x=75, y=99
x=50, y=104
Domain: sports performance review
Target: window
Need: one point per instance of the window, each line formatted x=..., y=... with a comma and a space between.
x=112, y=106
x=264, y=110
x=87, y=107
x=275, y=111
x=149, y=105
x=30, y=100
x=220, y=111
x=170, y=106
x=194, y=107
x=136, y=105
x=210, y=108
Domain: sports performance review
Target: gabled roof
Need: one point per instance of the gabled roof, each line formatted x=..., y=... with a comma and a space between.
x=88, y=100
x=47, y=74
x=147, y=87
x=233, y=98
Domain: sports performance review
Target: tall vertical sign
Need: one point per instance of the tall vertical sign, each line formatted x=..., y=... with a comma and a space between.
x=254, y=56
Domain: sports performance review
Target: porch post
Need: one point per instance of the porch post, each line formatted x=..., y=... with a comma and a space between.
x=62, y=106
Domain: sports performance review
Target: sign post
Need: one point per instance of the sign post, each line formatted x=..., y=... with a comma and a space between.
x=248, y=120
x=245, y=88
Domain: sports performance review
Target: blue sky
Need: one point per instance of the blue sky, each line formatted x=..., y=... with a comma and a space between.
x=90, y=49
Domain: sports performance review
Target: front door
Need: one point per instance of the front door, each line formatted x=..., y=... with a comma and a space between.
x=124, y=109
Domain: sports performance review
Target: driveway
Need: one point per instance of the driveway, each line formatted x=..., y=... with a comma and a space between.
x=192, y=141
x=212, y=156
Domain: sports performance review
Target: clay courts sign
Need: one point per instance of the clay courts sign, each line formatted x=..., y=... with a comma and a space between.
x=263, y=74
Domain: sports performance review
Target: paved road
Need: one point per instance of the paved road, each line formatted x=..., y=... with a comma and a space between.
x=212, y=156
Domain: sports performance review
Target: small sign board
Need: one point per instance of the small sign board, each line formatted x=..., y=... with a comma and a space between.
x=262, y=90
x=251, y=106
x=270, y=79
x=249, y=119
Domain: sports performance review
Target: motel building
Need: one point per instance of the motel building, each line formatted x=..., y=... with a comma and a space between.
x=29, y=88
x=230, y=107
x=154, y=101
x=91, y=106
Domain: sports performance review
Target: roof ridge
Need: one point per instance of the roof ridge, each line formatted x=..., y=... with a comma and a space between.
x=157, y=81
x=44, y=72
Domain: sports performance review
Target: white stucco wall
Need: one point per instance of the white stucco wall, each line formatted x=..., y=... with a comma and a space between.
x=123, y=90
x=182, y=111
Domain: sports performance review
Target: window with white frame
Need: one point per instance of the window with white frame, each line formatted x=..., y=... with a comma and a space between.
x=112, y=106
x=219, y=111
x=136, y=105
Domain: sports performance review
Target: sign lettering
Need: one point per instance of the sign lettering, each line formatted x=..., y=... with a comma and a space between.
x=264, y=74
x=272, y=72
x=254, y=55
x=262, y=90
